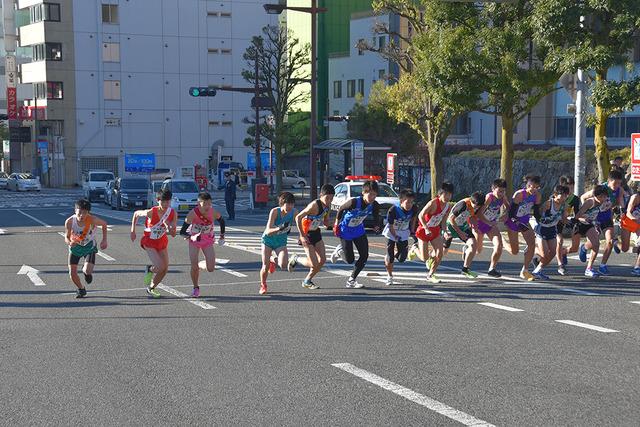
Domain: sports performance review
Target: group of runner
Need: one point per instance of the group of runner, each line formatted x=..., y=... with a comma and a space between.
x=542, y=224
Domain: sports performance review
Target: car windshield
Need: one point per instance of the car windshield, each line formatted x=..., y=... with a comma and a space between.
x=384, y=191
x=184, y=187
x=100, y=177
x=157, y=186
x=26, y=176
x=134, y=184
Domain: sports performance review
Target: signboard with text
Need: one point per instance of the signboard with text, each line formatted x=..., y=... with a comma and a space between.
x=12, y=103
x=140, y=162
x=635, y=156
x=391, y=168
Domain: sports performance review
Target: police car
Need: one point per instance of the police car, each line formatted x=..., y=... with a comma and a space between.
x=352, y=187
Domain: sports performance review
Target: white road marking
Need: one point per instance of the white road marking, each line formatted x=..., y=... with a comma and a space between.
x=32, y=274
x=586, y=326
x=442, y=294
x=634, y=302
x=413, y=396
x=34, y=218
x=105, y=256
x=232, y=272
x=499, y=307
x=186, y=297
x=3, y=231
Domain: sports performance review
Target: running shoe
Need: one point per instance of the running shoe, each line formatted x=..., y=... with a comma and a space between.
x=153, y=292
x=432, y=278
x=88, y=278
x=541, y=276
x=527, y=276
x=494, y=273
x=429, y=263
x=603, y=270
x=412, y=252
x=263, y=288
x=272, y=267
x=81, y=293
x=565, y=260
x=308, y=284
x=292, y=263
x=352, y=283
x=468, y=273
x=591, y=273
x=195, y=293
x=616, y=248
x=335, y=255
x=562, y=270
x=148, y=275
x=635, y=271
x=582, y=253
x=389, y=281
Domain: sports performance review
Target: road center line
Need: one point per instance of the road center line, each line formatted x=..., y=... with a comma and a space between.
x=499, y=307
x=34, y=218
x=186, y=297
x=586, y=326
x=413, y=396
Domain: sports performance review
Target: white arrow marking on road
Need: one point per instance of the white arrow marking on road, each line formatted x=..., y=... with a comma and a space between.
x=32, y=274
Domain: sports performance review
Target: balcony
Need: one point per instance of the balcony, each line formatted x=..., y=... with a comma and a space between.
x=32, y=34
x=34, y=72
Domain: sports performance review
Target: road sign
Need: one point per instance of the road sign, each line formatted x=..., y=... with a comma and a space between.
x=12, y=103
x=264, y=157
x=45, y=163
x=391, y=168
x=635, y=156
x=42, y=147
x=139, y=162
x=261, y=102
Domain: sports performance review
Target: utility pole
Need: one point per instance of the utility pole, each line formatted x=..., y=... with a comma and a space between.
x=257, y=95
x=314, y=97
x=580, y=165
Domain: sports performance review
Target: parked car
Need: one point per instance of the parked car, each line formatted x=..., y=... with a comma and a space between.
x=130, y=193
x=387, y=197
x=94, y=181
x=154, y=187
x=291, y=178
x=185, y=194
x=108, y=192
x=3, y=179
x=23, y=182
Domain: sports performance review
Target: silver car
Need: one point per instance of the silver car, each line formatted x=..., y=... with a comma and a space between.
x=23, y=182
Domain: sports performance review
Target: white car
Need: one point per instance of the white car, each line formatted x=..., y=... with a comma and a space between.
x=291, y=178
x=23, y=182
x=387, y=197
x=154, y=187
x=185, y=194
x=3, y=179
x=94, y=183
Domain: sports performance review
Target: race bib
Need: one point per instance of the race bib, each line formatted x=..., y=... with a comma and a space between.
x=606, y=205
x=286, y=229
x=201, y=229
x=524, y=210
x=463, y=218
x=356, y=220
x=316, y=223
x=435, y=221
x=402, y=224
x=157, y=231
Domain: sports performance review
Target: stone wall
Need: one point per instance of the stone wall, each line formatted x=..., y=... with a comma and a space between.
x=472, y=174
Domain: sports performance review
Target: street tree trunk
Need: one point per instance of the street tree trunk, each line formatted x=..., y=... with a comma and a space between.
x=506, y=159
x=600, y=139
x=258, y=162
x=278, y=157
x=436, y=150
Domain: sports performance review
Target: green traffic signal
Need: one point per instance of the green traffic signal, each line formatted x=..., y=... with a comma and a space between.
x=202, y=91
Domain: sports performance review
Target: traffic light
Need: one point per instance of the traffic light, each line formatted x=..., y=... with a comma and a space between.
x=202, y=91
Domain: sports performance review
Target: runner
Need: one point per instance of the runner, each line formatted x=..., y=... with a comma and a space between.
x=432, y=218
x=523, y=203
x=198, y=229
x=586, y=226
x=554, y=212
x=308, y=222
x=81, y=239
x=566, y=229
x=159, y=220
x=274, y=238
x=464, y=217
x=488, y=219
x=605, y=218
x=349, y=227
x=401, y=223
x=630, y=223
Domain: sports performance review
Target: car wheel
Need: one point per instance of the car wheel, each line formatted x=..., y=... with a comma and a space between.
x=301, y=184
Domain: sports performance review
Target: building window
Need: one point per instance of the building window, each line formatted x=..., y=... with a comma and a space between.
x=109, y=13
x=50, y=90
x=382, y=42
x=460, y=126
x=381, y=74
x=225, y=51
x=360, y=43
x=112, y=90
x=361, y=86
x=565, y=127
x=337, y=89
x=351, y=88
x=45, y=12
x=111, y=52
x=47, y=52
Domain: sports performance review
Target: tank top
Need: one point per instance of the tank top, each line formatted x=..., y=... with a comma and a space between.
x=552, y=216
x=492, y=212
x=200, y=225
x=155, y=227
x=313, y=222
x=401, y=224
x=606, y=206
x=77, y=231
x=592, y=214
x=524, y=210
x=435, y=219
x=352, y=225
x=466, y=215
x=286, y=219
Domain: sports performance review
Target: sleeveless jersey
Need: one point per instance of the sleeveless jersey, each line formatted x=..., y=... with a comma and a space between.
x=155, y=227
x=77, y=231
x=606, y=207
x=552, y=216
x=201, y=227
x=352, y=225
x=492, y=212
x=524, y=210
x=401, y=224
x=313, y=222
x=435, y=219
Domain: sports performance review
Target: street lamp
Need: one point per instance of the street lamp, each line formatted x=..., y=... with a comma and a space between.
x=277, y=9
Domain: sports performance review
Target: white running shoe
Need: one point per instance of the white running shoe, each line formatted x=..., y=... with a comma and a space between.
x=352, y=283
x=389, y=281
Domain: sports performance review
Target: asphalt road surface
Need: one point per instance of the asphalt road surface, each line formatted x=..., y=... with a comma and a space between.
x=465, y=352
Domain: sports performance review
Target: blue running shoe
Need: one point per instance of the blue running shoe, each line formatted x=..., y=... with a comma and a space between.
x=604, y=270
x=635, y=271
x=591, y=273
x=582, y=253
x=541, y=276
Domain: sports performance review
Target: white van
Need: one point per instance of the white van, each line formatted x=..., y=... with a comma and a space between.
x=94, y=183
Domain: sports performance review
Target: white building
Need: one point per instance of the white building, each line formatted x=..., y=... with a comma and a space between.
x=114, y=78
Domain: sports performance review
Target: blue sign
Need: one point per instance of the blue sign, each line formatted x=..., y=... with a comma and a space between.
x=45, y=163
x=139, y=162
x=251, y=161
x=43, y=148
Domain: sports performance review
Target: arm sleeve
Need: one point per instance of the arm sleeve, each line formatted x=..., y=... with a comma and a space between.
x=222, y=225
x=183, y=230
x=391, y=215
x=349, y=204
x=536, y=212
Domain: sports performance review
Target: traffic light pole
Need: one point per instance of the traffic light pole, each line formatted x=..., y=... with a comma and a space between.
x=314, y=99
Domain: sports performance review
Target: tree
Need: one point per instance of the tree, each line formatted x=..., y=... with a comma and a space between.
x=593, y=35
x=282, y=62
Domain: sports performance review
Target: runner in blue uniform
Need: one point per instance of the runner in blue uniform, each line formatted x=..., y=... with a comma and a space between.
x=402, y=221
x=552, y=213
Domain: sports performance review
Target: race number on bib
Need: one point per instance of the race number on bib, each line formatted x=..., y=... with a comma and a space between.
x=356, y=220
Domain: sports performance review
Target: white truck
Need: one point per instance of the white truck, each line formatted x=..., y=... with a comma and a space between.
x=94, y=183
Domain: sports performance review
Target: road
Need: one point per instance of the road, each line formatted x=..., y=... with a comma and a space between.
x=470, y=352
